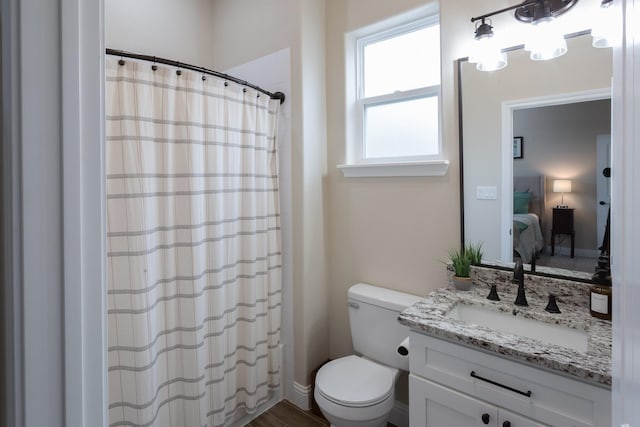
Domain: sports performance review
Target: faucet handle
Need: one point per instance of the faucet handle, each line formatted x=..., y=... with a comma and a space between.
x=552, y=306
x=493, y=294
x=521, y=297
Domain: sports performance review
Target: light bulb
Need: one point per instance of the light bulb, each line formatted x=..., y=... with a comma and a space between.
x=604, y=30
x=545, y=41
x=486, y=54
x=492, y=62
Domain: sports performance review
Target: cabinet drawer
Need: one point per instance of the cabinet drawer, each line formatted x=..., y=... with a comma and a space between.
x=554, y=399
x=435, y=406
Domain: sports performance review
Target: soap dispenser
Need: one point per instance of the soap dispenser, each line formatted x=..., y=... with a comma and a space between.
x=600, y=301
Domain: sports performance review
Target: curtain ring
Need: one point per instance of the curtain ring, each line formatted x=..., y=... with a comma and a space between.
x=226, y=84
x=178, y=71
x=204, y=78
x=154, y=67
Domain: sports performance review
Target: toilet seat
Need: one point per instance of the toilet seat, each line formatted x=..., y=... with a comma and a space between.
x=355, y=382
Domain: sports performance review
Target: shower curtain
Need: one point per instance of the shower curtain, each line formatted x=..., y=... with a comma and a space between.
x=194, y=254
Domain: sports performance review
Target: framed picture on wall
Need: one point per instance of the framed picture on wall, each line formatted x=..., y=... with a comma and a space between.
x=517, y=147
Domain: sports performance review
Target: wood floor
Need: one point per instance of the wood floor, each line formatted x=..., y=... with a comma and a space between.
x=286, y=414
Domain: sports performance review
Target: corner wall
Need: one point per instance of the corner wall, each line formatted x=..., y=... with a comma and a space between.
x=176, y=30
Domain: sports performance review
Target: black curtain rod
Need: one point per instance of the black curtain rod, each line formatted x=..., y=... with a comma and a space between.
x=157, y=60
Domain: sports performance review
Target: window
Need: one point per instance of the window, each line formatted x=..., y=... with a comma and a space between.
x=394, y=114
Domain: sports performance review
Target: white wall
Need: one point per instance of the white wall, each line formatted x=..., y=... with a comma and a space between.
x=176, y=30
x=243, y=30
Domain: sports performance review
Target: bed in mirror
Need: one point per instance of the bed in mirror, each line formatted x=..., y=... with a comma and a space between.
x=534, y=146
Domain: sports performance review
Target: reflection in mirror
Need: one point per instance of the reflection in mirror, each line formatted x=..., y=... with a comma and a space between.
x=561, y=110
x=556, y=182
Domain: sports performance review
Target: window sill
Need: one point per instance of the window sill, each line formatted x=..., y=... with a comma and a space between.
x=372, y=170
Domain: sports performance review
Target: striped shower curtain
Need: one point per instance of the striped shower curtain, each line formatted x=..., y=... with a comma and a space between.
x=194, y=255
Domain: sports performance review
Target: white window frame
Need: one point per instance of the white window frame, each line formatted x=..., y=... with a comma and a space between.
x=356, y=164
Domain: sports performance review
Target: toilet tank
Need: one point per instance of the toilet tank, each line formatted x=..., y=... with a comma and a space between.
x=373, y=318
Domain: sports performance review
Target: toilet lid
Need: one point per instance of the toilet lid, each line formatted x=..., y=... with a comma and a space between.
x=354, y=381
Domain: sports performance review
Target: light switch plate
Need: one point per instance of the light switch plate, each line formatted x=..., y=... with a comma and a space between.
x=486, y=193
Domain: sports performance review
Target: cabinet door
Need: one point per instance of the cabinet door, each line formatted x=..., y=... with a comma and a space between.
x=509, y=419
x=431, y=405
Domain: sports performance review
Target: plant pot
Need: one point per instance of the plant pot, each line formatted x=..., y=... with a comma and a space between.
x=462, y=283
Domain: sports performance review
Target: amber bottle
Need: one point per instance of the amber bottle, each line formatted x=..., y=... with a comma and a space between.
x=600, y=295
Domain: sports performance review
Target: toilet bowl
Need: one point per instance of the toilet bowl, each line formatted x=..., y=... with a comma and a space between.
x=357, y=391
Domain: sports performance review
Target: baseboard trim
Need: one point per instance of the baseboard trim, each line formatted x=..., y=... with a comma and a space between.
x=302, y=396
x=399, y=414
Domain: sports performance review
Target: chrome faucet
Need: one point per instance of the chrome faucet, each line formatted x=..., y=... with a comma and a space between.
x=518, y=278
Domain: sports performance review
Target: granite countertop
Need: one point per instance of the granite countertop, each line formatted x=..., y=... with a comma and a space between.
x=594, y=366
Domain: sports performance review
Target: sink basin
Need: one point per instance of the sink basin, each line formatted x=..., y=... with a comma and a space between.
x=575, y=339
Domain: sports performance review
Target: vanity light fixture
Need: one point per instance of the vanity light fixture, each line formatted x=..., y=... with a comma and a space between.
x=562, y=186
x=486, y=53
x=546, y=40
x=604, y=30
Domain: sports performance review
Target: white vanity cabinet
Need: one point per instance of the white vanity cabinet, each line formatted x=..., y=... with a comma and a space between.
x=452, y=385
x=436, y=405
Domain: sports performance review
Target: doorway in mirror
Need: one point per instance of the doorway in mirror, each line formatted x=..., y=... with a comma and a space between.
x=566, y=143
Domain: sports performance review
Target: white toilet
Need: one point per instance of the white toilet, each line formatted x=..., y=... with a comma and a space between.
x=358, y=391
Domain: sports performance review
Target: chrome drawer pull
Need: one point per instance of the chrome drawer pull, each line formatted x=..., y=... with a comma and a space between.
x=474, y=375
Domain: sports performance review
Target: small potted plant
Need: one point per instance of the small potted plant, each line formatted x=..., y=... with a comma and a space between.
x=475, y=253
x=461, y=262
